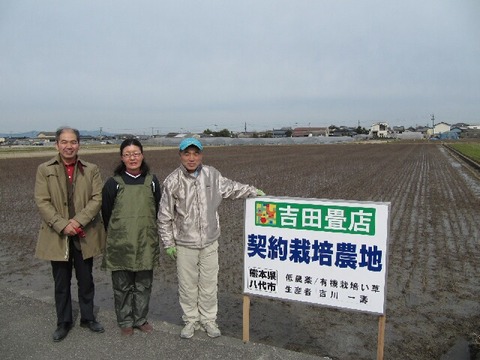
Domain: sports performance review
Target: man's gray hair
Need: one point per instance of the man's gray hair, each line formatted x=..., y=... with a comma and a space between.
x=60, y=130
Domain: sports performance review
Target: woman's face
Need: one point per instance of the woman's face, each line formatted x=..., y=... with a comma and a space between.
x=132, y=157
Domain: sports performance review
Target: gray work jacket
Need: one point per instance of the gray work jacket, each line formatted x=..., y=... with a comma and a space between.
x=188, y=214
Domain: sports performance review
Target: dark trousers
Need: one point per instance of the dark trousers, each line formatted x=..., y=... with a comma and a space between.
x=62, y=276
x=131, y=291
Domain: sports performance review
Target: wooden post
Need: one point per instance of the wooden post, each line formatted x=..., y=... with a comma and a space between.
x=246, y=318
x=381, y=337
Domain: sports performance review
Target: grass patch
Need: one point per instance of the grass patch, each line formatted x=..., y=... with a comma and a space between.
x=471, y=150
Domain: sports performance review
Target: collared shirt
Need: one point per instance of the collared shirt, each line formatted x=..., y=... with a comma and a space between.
x=70, y=168
x=70, y=171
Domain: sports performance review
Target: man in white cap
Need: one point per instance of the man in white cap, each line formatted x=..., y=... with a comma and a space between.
x=189, y=228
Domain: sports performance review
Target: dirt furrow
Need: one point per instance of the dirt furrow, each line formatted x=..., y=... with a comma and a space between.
x=433, y=283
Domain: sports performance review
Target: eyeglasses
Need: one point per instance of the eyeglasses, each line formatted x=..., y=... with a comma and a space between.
x=129, y=155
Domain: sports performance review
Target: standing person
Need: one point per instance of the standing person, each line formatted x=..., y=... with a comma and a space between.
x=68, y=194
x=129, y=209
x=189, y=227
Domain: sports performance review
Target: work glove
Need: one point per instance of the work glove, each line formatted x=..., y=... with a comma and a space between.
x=172, y=252
x=260, y=193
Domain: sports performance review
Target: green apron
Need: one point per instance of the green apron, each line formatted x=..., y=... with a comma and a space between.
x=132, y=237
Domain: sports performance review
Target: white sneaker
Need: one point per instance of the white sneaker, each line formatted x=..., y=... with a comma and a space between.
x=189, y=329
x=212, y=329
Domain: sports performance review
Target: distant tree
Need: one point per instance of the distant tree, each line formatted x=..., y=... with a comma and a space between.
x=360, y=130
x=223, y=133
x=288, y=133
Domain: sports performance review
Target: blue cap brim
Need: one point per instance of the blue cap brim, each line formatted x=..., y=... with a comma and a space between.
x=185, y=143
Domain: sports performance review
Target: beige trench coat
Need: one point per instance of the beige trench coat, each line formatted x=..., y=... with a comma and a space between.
x=51, y=200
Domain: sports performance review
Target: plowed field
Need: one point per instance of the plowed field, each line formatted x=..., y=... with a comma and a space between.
x=433, y=287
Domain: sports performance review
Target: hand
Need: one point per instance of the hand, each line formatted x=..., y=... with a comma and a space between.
x=80, y=232
x=75, y=223
x=260, y=193
x=69, y=230
x=172, y=252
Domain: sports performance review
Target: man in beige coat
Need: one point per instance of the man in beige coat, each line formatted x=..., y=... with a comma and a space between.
x=68, y=194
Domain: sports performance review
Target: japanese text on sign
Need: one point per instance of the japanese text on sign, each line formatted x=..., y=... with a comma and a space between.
x=344, y=255
x=350, y=220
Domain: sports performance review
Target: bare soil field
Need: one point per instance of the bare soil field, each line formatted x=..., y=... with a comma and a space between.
x=433, y=285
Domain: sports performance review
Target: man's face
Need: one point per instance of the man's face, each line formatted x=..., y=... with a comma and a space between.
x=67, y=146
x=191, y=158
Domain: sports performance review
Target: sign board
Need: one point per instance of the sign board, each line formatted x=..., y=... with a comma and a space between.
x=327, y=252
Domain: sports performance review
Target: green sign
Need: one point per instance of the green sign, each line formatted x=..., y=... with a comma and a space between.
x=325, y=218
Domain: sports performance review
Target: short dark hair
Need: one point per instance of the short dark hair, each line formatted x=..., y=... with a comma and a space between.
x=62, y=129
x=128, y=142
x=121, y=168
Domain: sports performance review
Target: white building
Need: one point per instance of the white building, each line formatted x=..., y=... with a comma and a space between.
x=440, y=128
x=380, y=130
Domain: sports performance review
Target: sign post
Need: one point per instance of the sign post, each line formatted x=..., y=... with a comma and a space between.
x=246, y=318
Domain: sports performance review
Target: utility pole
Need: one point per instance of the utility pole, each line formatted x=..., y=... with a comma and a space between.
x=433, y=124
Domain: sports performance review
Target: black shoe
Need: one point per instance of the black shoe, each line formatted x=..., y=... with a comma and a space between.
x=61, y=332
x=92, y=325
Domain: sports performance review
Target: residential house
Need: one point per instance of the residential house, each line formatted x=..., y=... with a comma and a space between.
x=46, y=136
x=424, y=130
x=398, y=129
x=471, y=132
x=440, y=128
x=281, y=133
x=310, y=131
x=380, y=130
x=341, y=131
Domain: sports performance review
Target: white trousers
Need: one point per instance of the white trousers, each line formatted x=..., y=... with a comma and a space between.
x=197, y=271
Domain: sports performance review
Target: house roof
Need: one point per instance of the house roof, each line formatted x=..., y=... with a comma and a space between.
x=47, y=133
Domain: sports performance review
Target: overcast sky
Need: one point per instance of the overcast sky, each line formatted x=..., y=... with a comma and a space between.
x=152, y=66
